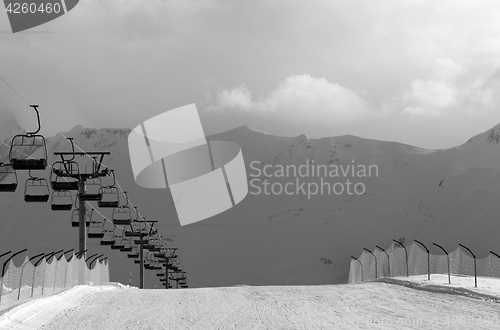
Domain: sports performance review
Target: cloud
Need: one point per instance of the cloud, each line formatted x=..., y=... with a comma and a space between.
x=430, y=98
x=445, y=92
x=299, y=98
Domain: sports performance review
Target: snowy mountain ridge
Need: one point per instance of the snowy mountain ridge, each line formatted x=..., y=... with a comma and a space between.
x=446, y=196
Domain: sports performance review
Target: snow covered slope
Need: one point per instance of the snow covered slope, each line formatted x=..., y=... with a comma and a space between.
x=444, y=196
x=358, y=306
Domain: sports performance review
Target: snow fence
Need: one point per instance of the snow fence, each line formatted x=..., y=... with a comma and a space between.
x=46, y=278
x=400, y=261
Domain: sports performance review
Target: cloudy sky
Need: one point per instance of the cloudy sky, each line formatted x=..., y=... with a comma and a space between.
x=421, y=72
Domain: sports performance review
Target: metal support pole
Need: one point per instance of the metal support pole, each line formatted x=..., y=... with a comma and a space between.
x=166, y=272
x=388, y=259
x=141, y=266
x=428, y=260
x=82, y=211
x=491, y=275
x=3, y=269
x=406, y=254
x=376, y=266
x=474, y=256
x=22, y=271
x=448, y=258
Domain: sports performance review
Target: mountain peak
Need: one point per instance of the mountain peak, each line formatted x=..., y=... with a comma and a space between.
x=249, y=128
x=492, y=135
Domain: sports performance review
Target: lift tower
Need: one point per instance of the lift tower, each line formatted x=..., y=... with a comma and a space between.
x=81, y=177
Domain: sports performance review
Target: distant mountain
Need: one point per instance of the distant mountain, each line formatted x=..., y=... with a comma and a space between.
x=445, y=196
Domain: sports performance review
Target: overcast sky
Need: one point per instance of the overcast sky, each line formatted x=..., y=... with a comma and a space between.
x=421, y=72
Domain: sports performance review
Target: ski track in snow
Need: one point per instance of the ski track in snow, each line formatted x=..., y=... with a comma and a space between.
x=358, y=306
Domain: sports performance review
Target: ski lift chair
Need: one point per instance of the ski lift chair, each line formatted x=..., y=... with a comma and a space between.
x=118, y=245
x=92, y=190
x=23, y=145
x=122, y=215
x=64, y=176
x=75, y=218
x=134, y=254
x=6, y=171
x=110, y=195
x=36, y=190
x=61, y=200
x=128, y=245
x=109, y=237
x=96, y=229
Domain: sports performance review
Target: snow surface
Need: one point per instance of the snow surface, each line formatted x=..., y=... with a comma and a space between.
x=485, y=285
x=371, y=305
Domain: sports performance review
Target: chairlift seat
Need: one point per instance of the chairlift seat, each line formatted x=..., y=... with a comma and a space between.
x=126, y=249
x=95, y=235
x=28, y=164
x=64, y=185
x=130, y=233
x=117, y=246
x=8, y=187
x=141, y=241
x=108, y=204
x=77, y=223
x=61, y=207
x=108, y=241
x=121, y=222
x=90, y=197
x=133, y=255
x=36, y=198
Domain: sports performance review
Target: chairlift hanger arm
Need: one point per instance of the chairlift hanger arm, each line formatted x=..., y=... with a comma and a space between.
x=35, y=107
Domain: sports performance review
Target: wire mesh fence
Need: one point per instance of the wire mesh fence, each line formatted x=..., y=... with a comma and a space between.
x=399, y=261
x=35, y=278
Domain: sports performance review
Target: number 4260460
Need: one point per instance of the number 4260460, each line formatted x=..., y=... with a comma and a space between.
x=32, y=8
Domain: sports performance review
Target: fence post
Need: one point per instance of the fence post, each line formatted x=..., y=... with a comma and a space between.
x=352, y=258
x=388, y=259
x=3, y=269
x=475, y=273
x=428, y=260
x=406, y=254
x=376, y=266
x=448, y=258
x=1, y=279
x=490, y=261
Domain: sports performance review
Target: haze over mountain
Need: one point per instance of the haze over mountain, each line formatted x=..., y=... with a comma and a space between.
x=445, y=196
